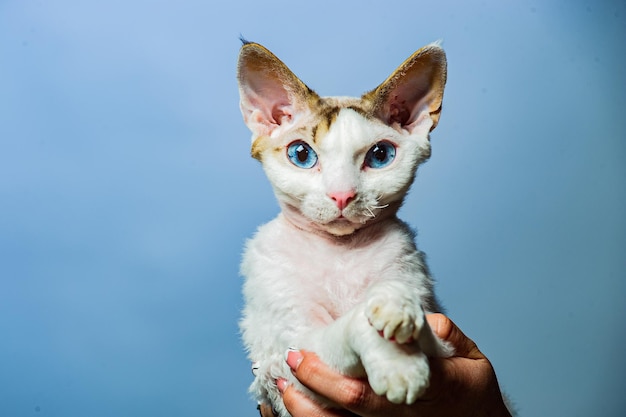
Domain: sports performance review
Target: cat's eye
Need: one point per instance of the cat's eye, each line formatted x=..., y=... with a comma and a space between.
x=380, y=155
x=301, y=155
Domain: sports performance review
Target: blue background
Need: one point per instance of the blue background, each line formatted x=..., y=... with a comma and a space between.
x=127, y=192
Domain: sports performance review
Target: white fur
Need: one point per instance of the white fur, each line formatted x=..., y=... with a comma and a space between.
x=299, y=283
x=348, y=284
x=300, y=280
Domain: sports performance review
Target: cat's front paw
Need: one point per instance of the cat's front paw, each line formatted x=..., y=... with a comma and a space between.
x=402, y=379
x=396, y=315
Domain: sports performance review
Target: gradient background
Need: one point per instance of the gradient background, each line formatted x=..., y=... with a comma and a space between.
x=127, y=192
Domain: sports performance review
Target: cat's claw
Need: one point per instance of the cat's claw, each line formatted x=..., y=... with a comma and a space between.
x=394, y=316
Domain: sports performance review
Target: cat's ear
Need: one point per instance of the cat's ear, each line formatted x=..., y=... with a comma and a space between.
x=271, y=95
x=411, y=97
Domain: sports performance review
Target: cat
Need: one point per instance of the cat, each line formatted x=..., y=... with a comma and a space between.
x=336, y=272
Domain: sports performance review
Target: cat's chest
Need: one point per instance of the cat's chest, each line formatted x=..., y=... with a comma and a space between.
x=331, y=274
x=330, y=277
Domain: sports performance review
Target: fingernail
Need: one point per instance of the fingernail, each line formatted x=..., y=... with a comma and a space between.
x=293, y=358
x=282, y=384
x=255, y=368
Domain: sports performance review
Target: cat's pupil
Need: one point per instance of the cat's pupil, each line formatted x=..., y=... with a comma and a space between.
x=302, y=154
x=380, y=153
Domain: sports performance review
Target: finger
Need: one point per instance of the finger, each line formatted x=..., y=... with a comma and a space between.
x=468, y=368
x=446, y=330
x=350, y=393
x=300, y=405
x=266, y=410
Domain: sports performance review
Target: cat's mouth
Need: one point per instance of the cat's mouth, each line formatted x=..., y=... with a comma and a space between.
x=340, y=223
x=354, y=216
x=348, y=219
x=345, y=223
x=341, y=220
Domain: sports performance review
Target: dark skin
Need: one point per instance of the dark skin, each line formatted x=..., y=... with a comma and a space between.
x=463, y=385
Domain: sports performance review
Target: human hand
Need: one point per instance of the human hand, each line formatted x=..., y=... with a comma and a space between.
x=463, y=385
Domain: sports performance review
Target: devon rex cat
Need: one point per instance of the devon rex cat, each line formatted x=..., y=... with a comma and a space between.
x=337, y=272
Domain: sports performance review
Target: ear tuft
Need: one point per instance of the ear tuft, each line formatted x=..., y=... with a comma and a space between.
x=243, y=40
x=411, y=97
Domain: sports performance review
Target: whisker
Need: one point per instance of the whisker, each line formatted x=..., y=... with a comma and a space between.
x=369, y=209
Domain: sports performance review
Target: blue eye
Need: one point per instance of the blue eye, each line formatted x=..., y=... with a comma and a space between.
x=301, y=155
x=380, y=155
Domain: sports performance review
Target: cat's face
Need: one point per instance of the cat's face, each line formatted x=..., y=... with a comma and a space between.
x=341, y=172
x=338, y=164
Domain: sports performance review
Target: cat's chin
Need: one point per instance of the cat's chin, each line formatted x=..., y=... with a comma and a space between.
x=340, y=227
x=337, y=227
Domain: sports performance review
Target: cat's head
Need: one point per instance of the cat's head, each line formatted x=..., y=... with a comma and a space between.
x=337, y=164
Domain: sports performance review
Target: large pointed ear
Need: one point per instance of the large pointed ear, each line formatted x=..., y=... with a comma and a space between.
x=411, y=97
x=271, y=95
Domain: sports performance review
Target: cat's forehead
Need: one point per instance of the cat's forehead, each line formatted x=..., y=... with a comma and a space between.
x=329, y=107
x=328, y=110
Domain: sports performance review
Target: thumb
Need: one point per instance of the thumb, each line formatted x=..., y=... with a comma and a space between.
x=446, y=330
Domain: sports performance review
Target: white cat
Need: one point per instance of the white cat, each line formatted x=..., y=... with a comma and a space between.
x=337, y=272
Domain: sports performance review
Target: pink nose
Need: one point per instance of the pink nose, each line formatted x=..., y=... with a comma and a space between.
x=342, y=198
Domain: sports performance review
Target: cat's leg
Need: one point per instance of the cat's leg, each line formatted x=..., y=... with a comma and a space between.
x=397, y=313
x=395, y=362
x=353, y=347
x=263, y=388
x=267, y=340
x=399, y=369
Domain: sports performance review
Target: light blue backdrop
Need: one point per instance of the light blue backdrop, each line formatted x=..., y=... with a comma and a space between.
x=127, y=191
